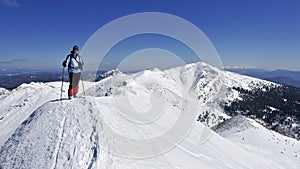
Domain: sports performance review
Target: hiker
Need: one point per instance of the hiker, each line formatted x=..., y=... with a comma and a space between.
x=75, y=64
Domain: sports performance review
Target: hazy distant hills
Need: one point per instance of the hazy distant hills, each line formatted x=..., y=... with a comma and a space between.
x=12, y=79
x=286, y=77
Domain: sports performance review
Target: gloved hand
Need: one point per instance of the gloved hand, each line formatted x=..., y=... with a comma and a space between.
x=64, y=63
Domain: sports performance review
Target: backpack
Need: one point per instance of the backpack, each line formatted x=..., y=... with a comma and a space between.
x=78, y=62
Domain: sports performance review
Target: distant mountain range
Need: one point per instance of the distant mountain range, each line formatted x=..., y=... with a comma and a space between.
x=287, y=77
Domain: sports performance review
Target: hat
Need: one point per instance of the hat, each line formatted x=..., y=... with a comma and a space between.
x=75, y=47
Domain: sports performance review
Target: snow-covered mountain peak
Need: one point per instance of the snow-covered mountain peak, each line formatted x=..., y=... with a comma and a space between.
x=110, y=73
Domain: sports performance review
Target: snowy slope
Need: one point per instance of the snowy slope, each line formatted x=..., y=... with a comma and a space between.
x=78, y=133
x=268, y=144
x=71, y=138
x=18, y=104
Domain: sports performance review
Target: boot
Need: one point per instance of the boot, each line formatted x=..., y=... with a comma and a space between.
x=76, y=88
x=70, y=93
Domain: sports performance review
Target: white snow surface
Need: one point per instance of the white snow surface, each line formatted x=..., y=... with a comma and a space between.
x=39, y=131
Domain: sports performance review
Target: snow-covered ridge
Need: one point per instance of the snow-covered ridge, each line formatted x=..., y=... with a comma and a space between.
x=207, y=84
x=56, y=134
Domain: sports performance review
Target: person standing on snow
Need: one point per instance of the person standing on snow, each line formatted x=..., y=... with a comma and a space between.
x=75, y=64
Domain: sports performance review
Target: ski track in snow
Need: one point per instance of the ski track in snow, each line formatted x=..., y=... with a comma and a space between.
x=59, y=143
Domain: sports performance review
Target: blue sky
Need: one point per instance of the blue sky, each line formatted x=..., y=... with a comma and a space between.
x=260, y=33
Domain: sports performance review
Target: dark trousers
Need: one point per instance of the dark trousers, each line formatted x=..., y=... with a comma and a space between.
x=74, y=79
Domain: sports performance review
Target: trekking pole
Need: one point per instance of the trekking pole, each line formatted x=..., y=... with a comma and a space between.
x=81, y=77
x=82, y=86
x=62, y=82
